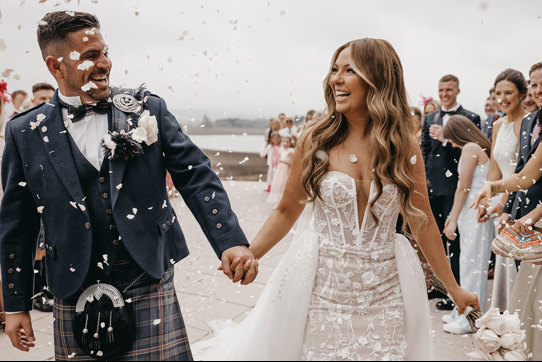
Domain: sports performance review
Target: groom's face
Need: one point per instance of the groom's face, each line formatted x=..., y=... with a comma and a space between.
x=86, y=66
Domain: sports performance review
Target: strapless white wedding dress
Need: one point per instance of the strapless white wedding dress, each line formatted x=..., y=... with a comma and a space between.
x=341, y=292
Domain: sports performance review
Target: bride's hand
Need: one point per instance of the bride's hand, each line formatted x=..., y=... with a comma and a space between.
x=486, y=193
x=463, y=298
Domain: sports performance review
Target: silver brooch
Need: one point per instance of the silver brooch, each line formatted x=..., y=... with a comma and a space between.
x=126, y=103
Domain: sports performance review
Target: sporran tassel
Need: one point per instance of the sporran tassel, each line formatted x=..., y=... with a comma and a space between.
x=110, y=336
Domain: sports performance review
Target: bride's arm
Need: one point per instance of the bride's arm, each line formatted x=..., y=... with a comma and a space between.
x=429, y=240
x=281, y=220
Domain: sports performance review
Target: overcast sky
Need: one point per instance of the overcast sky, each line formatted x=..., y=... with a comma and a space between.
x=256, y=58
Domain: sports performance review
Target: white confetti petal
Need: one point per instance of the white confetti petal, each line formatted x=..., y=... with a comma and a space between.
x=164, y=205
x=134, y=210
x=90, y=85
x=130, y=216
x=86, y=65
x=129, y=300
x=40, y=209
x=190, y=167
x=100, y=265
x=45, y=139
x=352, y=158
x=72, y=355
x=22, y=184
x=85, y=38
x=72, y=270
x=60, y=59
x=448, y=173
x=74, y=204
x=82, y=207
x=118, y=187
x=413, y=159
x=2, y=45
x=172, y=261
x=75, y=55
x=156, y=322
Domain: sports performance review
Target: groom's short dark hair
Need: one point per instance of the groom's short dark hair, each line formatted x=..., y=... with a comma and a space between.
x=55, y=27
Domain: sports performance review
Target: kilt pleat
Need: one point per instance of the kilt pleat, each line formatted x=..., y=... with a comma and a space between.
x=160, y=330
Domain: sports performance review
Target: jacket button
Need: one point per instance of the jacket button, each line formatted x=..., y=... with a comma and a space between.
x=11, y=286
x=108, y=211
x=112, y=227
x=105, y=195
x=215, y=211
x=164, y=226
x=168, y=223
x=101, y=179
x=219, y=226
x=115, y=242
x=10, y=271
x=207, y=198
x=87, y=225
x=12, y=256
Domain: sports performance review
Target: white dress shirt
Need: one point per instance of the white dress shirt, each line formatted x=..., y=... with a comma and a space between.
x=447, y=116
x=87, y=133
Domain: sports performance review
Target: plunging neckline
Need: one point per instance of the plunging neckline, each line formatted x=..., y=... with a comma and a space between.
x=363, y=222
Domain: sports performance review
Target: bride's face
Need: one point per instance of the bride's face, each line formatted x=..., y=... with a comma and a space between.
x=349, y=89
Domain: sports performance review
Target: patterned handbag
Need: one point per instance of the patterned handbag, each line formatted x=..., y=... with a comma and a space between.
x=525, y=247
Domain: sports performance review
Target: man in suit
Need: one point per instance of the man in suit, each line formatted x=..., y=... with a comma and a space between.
x=92, y=164
x=441, y=165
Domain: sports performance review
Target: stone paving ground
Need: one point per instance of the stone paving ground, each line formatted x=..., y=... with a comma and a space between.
x=206, y=294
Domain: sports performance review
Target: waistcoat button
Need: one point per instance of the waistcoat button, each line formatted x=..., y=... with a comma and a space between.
x=108, y=211
x=10, y=271
x=105, y=195
x=101, y=179
x=87, y=225
x=12, y=256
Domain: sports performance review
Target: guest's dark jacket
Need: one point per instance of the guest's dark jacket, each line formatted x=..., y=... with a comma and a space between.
x=40, y=179
x=441, y=161
x=487, y=125
x=521, y=203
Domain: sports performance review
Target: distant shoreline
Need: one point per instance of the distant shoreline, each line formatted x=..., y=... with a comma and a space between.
x=224, y=131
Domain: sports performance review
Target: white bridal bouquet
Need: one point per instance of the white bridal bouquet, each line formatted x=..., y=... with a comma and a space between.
x=499, y=338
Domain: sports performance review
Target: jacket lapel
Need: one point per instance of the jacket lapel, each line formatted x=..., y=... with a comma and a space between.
x=533, y=119
x=117, y=167
x=55, y=138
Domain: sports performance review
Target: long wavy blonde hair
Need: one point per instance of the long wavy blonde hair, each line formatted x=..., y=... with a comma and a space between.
x=390, y=127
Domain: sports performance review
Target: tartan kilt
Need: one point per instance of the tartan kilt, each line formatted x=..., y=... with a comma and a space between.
x=152, y=300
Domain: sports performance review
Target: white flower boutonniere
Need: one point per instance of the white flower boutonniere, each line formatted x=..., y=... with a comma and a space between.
x=149, y=124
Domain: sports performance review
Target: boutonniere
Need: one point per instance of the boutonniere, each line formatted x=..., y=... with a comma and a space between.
x=128, y=145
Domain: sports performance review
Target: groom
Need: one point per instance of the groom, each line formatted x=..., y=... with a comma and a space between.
x=104, y=208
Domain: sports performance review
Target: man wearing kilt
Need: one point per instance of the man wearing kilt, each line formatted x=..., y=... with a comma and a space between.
x=91, y=164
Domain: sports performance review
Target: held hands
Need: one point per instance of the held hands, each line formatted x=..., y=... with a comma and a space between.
x=19, y=330
x=524, y=225
x=450, y=226
x=239, y=264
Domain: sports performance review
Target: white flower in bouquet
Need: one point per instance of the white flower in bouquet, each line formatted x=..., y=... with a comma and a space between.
x=512, y=324
x=515, y=356
x=486, y=340
x=497, y=356
x=491, y=314
x=513, y=341
x=150, y=125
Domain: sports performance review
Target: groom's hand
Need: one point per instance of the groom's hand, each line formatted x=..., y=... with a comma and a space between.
x=233, y=264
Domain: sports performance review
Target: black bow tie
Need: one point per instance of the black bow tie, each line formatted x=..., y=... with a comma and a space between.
x=77, y=113
x=450, y=113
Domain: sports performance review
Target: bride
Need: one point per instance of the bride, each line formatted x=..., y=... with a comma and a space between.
x=349, y=287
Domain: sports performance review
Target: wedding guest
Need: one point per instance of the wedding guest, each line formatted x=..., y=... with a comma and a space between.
x=290, y=130
x=441, y=165
x=430, y=106
x=280, y=176
x=528, y=103
x=418, y=122
x=524, y=207
x=274, y=126
x=488, y=123
x=18, y=97
x=42, y=93
x=282, y=119
x=3, y=119
x=271, y=152
x=308, y=119
x=488, y=107
x=510, y=90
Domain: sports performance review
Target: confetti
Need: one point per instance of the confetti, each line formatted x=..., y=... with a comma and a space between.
x=134, y=210
x=100, y=265
x=413, y=159
x=90, y=85
x=129, y=300
x=75, y=55
x=172, y=261
x=164, y=205
x=118, y=187
x=86, y=65
x=74, y=204
x=130, y=216
x=2, y=45
x=72, y=355
x=40, y=209
x=72, y=270
x=85, y=38
x=448, y=173
x=156, y=322
x=7, y=71
x=22, y=184
x=190, y=167
x=60, y=59
x=45, y=139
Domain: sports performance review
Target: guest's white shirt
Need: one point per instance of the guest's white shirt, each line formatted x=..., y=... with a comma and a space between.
x=447, y=116
x=87, y=133
x=285, y=132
